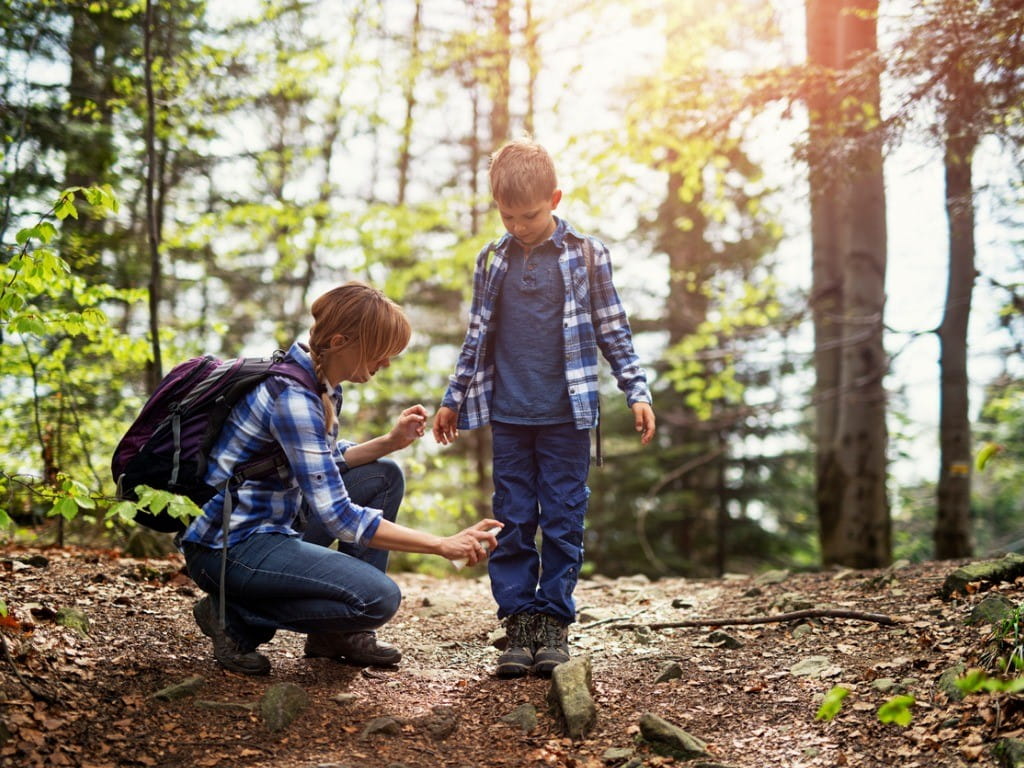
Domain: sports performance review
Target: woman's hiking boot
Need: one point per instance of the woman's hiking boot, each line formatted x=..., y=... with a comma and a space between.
x=552, y=639
x=518, y=656
x=360, y=648
x=228, y=653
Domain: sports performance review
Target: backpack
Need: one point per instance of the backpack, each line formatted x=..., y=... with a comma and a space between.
x=167, y=446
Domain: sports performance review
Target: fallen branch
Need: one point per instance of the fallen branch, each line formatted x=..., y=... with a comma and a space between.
x=36, y=694
x=610, y=620
x=816, y=613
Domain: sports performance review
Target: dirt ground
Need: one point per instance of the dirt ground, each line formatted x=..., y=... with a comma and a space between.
x=74, y=699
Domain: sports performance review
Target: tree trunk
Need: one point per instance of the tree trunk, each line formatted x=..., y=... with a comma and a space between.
x=863, y=537
x=154, y=370
x=953, y=515
x=500, y=78
x=849, y=241
x=826, y=279
x=409, y=89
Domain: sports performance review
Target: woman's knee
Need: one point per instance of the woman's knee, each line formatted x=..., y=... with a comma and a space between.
x=385, y=602
x=393, y=475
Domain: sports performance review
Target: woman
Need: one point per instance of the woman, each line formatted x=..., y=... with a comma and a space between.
x=280, y=573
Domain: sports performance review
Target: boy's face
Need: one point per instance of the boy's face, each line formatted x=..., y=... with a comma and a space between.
x=530, y=224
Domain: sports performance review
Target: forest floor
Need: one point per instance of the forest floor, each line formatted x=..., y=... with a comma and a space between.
x=69, y=698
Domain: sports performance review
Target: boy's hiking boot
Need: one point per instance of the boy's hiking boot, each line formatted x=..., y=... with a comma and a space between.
x=552, y=638
x=228, y=653
x=360, y=648
x=518, y=656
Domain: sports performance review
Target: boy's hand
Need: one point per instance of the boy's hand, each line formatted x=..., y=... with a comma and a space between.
x=445, y=425
x=643, y=417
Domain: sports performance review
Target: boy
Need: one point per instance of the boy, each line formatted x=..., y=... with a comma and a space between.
x=543, y=304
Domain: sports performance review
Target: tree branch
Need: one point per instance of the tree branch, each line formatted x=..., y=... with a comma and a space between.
x=814, y=613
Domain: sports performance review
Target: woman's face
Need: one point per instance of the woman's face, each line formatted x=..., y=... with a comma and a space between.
x=344, y=362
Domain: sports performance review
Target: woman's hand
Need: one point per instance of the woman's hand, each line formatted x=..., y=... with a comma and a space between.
x=410, y=426
x=471, y=544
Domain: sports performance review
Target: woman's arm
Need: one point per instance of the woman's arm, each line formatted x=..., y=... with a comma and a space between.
x=467, y=543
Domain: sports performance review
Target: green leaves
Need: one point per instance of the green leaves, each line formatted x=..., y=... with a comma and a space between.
x=156, y=501
x=897, y=710
x=832, y=703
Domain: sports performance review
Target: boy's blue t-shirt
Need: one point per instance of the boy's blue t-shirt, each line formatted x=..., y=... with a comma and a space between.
x=530, y=385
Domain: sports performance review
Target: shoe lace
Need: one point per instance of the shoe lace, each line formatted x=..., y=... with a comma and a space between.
x=552, y=633
x=518, y=629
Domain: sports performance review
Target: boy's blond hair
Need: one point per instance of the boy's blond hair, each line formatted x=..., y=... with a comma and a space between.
x=522, y=173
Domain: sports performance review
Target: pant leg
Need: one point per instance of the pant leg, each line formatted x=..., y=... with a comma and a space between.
x=563, y=464
x=276, y=581
x=514, y=566
x=379, y=484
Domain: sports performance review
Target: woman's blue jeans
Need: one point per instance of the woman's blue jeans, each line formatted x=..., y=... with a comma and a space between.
x=540, y=480
x=275, y=581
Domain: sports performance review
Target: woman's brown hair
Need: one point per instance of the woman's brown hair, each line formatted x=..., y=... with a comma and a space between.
x=364, y=315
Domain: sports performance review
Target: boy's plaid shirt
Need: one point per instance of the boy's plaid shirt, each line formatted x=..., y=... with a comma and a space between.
x=593, y=318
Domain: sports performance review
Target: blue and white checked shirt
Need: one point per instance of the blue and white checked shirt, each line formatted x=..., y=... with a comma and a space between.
x=282, y=411
x=593, y=318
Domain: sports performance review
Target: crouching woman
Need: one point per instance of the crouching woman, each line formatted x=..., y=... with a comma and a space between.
x=280, y=572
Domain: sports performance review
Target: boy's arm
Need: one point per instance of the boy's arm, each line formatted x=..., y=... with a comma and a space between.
x=614, y=339
x=465, y=365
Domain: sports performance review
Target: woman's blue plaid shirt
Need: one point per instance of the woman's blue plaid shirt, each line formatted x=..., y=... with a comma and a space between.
x=283, y=411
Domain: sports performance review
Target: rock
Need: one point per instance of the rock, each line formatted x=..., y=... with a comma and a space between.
x=524, y=716
x=947, y=682
x=281, y=704
x=72, y=618
x=670, y=740
x=988, y=572
x=724, y=640
x=388, y=726
x=440, y=723
x=884, y=684
x=815, y=666
x=791, y=601
x=1010, y=753
x=991, y=610
x=802, y=629
x=570, y=695
x=616, y=755
x=772, y=577
x=671, y=671
x=186, y=687
x=345, y=698
x=37, y=561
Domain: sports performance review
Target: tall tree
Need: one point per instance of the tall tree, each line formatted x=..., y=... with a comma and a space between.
x=849, y=252
x=963, y=65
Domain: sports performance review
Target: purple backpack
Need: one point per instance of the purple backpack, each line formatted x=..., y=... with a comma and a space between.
x=168, y=445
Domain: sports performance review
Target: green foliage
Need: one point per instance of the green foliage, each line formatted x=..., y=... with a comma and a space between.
x=49, y=317
x=832, y=703
x=897, y=710
x=978, y=680
x=155, y=501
